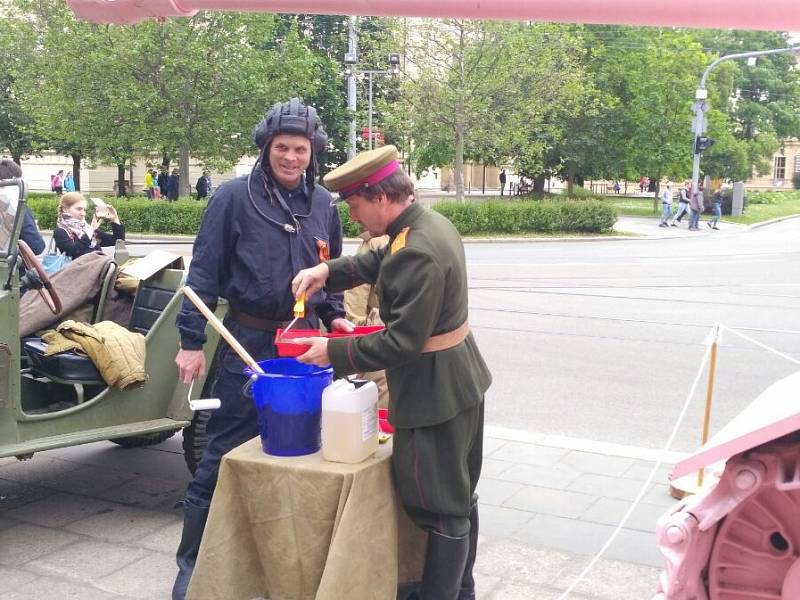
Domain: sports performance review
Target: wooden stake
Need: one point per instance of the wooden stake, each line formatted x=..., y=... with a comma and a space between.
x=222, y=330
x=712, y=367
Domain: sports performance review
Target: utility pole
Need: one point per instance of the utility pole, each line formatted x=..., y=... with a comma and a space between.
x=700, y=108
x=351, y=58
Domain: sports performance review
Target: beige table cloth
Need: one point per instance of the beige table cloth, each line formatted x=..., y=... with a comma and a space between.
x=297, y=528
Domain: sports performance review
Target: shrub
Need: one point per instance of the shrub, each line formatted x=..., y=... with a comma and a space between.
x=349, y=227
x=546, y=216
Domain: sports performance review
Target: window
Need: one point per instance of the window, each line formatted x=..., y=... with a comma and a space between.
x=780, y=168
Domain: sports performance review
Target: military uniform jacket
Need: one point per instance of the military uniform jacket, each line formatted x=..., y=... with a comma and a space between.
x=421, y=282
x=250, y=261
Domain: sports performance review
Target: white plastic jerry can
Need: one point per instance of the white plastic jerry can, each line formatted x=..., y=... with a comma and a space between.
x=349, y=421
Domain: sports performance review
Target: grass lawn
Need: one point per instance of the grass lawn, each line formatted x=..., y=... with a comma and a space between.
x=780, y=204
x=639, y=206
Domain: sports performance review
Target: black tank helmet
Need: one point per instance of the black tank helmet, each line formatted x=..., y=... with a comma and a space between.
x=293, y=117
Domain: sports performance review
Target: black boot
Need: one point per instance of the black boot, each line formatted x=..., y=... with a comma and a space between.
x=444, y=567
x=194, y=521
x=467, y=591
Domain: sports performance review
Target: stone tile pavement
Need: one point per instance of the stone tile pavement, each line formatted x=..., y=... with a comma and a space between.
x=96, y=522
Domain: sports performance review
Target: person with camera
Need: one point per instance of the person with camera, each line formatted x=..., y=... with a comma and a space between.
x=75, y=237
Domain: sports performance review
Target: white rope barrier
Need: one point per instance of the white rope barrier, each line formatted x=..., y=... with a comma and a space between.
x=713, y=336
x=760, y=345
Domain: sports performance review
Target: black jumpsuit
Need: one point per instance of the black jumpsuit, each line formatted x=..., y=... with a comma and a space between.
x=242, y=256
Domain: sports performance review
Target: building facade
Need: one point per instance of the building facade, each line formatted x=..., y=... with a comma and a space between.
x=785, y=164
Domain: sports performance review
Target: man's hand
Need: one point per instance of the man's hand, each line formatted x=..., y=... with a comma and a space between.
x=310, y=281
x=191, y=364
x=317, y=354
x=343, y=325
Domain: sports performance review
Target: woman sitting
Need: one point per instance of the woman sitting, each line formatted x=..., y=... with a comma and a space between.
x=74, y=236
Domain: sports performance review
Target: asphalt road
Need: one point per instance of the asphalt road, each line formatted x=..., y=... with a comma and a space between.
x=601, y=340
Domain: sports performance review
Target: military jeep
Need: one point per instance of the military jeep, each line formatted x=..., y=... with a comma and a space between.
x=62, y=400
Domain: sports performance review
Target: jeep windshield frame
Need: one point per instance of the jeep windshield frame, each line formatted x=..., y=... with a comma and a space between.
x=12, y=210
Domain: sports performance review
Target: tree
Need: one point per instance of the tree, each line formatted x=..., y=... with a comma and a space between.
x=456, y=64
x=171, y=89
x=547, y=92
x=16, y=123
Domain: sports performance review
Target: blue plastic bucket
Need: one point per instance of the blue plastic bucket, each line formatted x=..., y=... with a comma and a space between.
x=288, y=399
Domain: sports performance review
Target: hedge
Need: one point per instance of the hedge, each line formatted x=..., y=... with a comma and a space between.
x=541, y=216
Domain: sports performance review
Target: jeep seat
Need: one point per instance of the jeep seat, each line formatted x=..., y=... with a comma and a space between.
x=68, y=367
x=75, y=369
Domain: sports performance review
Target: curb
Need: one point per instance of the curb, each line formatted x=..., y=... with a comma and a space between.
x=773, y=221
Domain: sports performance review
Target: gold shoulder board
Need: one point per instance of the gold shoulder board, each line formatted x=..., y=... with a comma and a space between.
x=400, y=241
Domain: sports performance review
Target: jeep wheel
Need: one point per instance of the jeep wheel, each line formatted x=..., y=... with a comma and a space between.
x=140, y=441
x=195, y=439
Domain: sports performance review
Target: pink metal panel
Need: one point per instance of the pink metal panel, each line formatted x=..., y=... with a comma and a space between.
x=775, y=413
x=779, y=15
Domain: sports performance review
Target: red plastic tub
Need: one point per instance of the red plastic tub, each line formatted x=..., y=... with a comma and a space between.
x=286, y=347
x=359, y=330
x=383, y=421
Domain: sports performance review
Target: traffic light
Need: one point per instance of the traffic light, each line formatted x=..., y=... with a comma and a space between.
x=702, y=144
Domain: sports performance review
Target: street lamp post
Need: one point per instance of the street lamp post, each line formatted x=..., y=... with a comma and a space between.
x=700, y=107
x=394, y=69
x=350, y=59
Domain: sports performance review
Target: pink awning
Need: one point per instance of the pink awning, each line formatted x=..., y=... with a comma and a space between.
x=776, y=15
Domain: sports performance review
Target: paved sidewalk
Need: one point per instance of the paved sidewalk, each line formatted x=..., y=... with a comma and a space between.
x=648, y=227
x=96, y=522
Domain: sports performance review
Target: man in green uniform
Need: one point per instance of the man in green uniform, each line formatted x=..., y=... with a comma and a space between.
x=437, y=377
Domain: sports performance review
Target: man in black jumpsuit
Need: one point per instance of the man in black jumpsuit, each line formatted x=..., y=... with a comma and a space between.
x=257, y=232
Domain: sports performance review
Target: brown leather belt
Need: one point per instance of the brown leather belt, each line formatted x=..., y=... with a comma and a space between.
x=256, y=322
x=444, y=341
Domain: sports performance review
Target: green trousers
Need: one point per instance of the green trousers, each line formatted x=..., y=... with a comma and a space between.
x=436, y=471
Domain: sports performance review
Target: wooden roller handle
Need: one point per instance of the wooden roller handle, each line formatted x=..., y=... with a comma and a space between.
x=222, y=330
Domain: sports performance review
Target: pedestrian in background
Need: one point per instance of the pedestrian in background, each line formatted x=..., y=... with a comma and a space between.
x=203, y=186
x=148, y=184
x=666, y=206
x=173, y=186
x=156, y=184
x=163, y=179
x=716, y=207
x=58, y=182
x=683, y=204
x=695, y=207
x=69, y=182
x=502, y=181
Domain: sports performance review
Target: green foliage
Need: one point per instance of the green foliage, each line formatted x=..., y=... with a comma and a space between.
x=349, y=227
x=772, y=197
x=545, y=216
